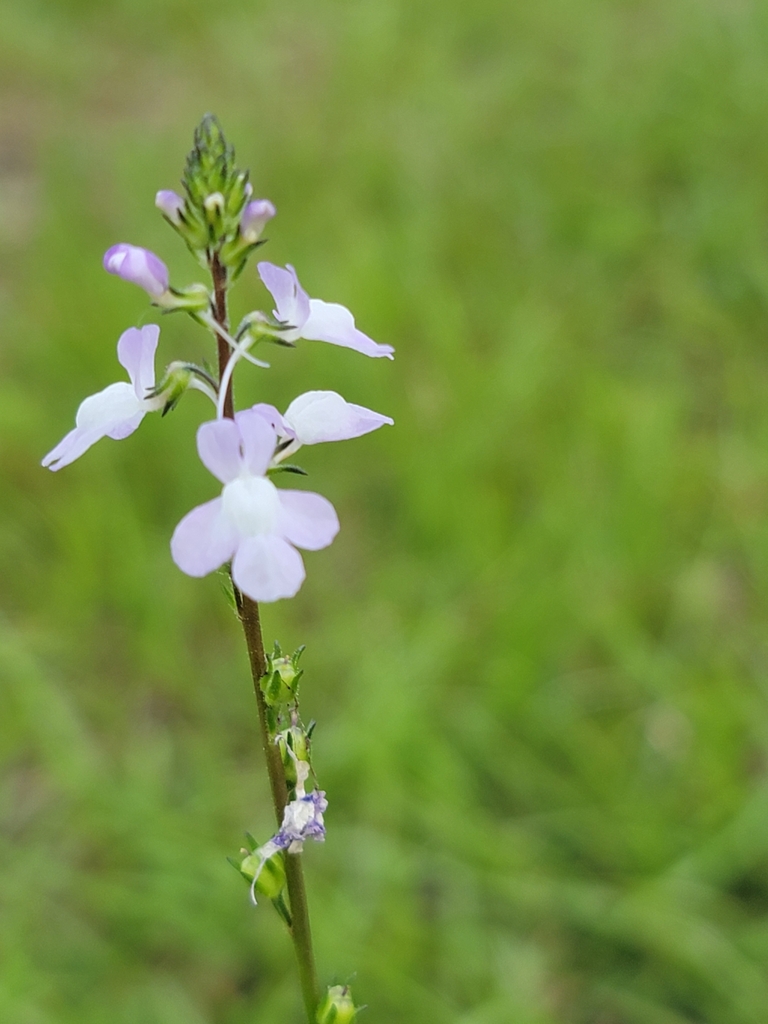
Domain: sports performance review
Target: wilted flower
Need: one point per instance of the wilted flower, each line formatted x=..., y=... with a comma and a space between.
x=117, y=410
x=313, y=319
x=253, y=523
x=302, y=820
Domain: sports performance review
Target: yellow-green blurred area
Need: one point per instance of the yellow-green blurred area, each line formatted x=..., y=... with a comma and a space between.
x=537, y=651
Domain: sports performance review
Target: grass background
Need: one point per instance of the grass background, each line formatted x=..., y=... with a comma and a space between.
x=537, y=651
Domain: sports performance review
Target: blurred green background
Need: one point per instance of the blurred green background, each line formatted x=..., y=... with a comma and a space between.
x=537, y=651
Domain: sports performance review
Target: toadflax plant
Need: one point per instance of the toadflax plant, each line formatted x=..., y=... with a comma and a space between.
x=253, y=527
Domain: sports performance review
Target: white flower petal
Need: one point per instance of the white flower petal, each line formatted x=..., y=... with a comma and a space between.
x=308, y=520
x=136, y=352
x=203, y=540
x=267, y=568
x=325, y=416
x=331, y=322
x=291, y=301
x=218, y=445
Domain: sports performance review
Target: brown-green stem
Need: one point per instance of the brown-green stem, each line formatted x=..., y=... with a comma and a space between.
x=248, y=610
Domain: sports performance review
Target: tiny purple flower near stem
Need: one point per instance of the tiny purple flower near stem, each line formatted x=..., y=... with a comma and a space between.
x=139, y=266
x=254, y=219
x=117, y=410
x=170, y=204
x=313, y=319
x=252, y=523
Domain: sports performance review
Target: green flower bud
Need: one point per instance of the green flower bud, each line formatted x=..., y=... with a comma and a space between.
x=217, y=193
x=177, y=380
x=194, y=299
x=337, y=1006
x=211, y=163
x=293, y=744
x=280, y=683
x=270, y=880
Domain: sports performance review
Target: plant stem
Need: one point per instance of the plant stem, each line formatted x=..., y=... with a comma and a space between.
x=300, y=930
x=248, y=610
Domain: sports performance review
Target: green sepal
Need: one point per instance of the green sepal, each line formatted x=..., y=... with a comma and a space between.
x=271, y=877
x=228, y=589
x=287, y=467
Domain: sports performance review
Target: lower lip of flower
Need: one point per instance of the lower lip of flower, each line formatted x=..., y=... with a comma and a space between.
x=251, y=504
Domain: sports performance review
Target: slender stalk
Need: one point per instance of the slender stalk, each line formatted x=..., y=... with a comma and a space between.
x=248, y=610
x=301, y=933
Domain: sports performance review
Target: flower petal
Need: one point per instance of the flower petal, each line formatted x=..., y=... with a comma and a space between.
x=267, y=568
x=203, y=540
x=291, y=300
x=324, y=416
x=105, y=410
x=308, y=520
x=126, y=427
x=115, y=412
x=71, y=447
x=259, y=440
x=218, y=445
x=273, y=417
x=331, y=322
x=136, y=352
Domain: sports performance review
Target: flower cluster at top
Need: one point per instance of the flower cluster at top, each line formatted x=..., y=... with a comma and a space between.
x=253, y=525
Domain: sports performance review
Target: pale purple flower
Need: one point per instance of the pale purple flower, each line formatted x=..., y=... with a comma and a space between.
x=171, y=204
x=117, y=410
x=253, y=523
x=254, y=219
x=318, y=416
x=313, y=319
x=139, y=266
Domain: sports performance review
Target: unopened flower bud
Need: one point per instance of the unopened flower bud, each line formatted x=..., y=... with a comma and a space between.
x=177, y=379
x=280, y=683
x=214, y=206
x=171, y=205
x=293, y=744
x=194, y=299
x=337, y=1006
x=139, y=266
x=240, y=191
x=254, y=219
x=269, y=874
